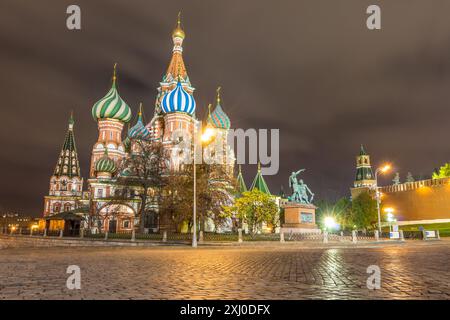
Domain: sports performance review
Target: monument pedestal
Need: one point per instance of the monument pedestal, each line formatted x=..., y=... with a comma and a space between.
x=299, y=218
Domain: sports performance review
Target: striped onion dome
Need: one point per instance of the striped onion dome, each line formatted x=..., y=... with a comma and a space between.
x=218, y=118
x=126, y=143
x=139, y=131
x=111, y=106
x=105, y=164
x=178, y=100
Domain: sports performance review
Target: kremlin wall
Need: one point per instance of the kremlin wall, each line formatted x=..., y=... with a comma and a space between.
x=417, y=202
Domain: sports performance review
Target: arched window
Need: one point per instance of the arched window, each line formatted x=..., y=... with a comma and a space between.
x=56, y=207
x=67, y=207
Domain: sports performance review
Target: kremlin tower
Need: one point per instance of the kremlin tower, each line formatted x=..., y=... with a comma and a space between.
x=364, y=174
x=365, y=179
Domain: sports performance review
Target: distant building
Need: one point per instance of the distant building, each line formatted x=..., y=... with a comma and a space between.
x=9, y=220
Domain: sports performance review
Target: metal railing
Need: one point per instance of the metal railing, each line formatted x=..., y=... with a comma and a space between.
x=129, y=235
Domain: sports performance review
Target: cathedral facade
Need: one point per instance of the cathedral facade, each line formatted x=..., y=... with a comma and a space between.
x=174, y=120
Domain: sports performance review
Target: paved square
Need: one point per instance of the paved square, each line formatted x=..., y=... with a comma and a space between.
x=415, y=270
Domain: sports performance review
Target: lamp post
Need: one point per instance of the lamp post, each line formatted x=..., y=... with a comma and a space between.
x=194, y=236
x=330, y=223
x=207, y=136
x=383, y=169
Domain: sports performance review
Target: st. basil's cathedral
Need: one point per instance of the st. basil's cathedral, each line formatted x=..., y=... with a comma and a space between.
x=174, y=119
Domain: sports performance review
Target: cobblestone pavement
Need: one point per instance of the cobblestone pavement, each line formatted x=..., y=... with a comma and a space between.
x=408, y=271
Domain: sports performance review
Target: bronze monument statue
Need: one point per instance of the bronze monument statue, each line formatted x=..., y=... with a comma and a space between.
x=300, y=190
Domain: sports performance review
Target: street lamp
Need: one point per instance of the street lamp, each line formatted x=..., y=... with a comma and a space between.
x=382, y=169
x=207, y=136
x=329, y=222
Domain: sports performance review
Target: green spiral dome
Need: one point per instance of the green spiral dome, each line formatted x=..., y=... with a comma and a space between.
x=105, y=164
x=112, y=106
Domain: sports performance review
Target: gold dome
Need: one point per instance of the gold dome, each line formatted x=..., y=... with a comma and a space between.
x=178, y=32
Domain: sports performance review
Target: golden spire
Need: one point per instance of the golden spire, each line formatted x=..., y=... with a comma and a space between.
x=240, y=171
x=259, y=166
x=218, y=94
x=209, y=110
x=178, y=31
x=140, y=109
x=114, y=73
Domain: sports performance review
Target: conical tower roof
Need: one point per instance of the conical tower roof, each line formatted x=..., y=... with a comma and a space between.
x=259, y=182
x=177, y=68
x=242, y=187
x=68, y=164
x=362, y=152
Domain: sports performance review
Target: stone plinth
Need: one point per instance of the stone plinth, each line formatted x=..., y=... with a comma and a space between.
x=299, y=217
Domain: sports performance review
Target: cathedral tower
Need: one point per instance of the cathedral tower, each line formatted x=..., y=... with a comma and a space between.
x=221, y=123
x=174, y=118
x=66, y=183
x=111, y=113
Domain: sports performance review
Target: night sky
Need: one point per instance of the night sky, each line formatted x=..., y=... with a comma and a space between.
x=310, y=68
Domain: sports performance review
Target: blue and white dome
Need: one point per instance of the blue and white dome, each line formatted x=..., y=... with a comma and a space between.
x=139, y=131
x=178, y=100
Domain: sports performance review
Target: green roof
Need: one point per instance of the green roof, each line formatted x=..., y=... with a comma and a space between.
x=259, y=182
x=242, y=187
x=362, y=152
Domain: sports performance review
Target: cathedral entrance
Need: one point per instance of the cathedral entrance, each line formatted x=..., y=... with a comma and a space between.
x=112, y=226
x=115, y=218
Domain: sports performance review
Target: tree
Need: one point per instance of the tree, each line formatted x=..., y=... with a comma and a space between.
x=443, y=172
x=409, y=177
x=253, y=208
x=364, y=211
x=213, y=191
x=147, y=174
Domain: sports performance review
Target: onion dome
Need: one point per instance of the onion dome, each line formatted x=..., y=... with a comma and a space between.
x=178, y=32
x=139, y=131
x=218, y=117
x=126, y=143
x=111, y=106
x=178, y=100
x=105, y=164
